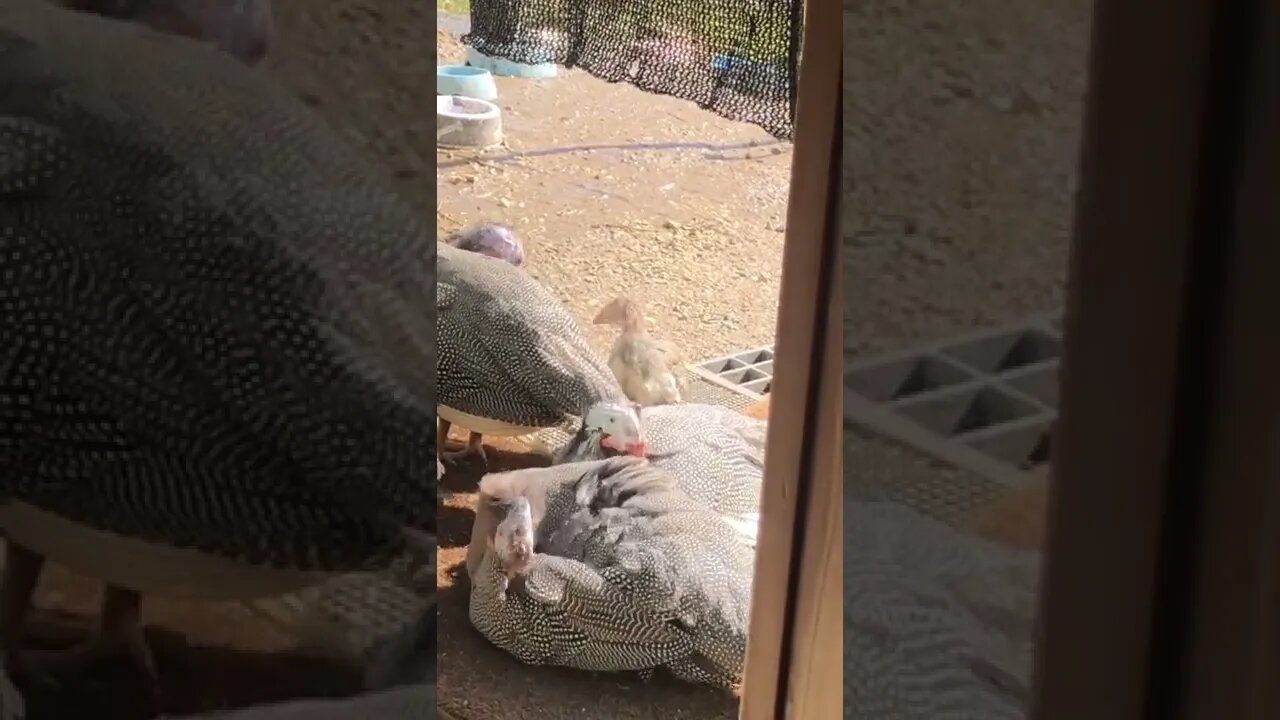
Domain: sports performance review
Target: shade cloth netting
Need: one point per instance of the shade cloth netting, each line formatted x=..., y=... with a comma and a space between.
x=737, y=58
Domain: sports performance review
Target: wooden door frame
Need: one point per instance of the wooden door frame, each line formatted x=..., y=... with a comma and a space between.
x=794, y=650
x=1162, y=580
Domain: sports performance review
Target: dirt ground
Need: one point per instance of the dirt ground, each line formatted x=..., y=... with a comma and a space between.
x=961, y=129
x=616, y=191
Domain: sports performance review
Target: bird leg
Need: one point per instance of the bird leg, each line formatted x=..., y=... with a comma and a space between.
x=474, y=447
x=18, y=582
x=119, y=633
x=442, y=434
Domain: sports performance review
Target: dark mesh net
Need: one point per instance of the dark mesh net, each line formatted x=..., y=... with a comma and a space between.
x=737, y=58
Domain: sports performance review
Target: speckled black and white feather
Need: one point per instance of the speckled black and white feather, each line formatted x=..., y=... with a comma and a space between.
x=629, y=573
x=715, y=454
x=215, y=320
x=938, y=625
x=509, y=351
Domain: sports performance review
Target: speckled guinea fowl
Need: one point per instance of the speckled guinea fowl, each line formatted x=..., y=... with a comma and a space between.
x=715, y=454
x=511, y=358
x=216, y=341
x=938, y=624
x=628, y=573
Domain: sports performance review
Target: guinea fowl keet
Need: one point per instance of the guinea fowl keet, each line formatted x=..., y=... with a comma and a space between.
x=641, y=363
x=627, y=573
x=511, y=359
x=216, y=377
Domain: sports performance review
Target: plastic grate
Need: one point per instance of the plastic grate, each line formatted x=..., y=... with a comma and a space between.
x=984, y=402
x=749, y=372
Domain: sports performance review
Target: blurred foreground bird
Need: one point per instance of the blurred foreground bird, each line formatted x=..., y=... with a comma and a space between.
x=608, y=566
x=511, y=359
x=641, y=363
x=937, y=623
x=216, y=337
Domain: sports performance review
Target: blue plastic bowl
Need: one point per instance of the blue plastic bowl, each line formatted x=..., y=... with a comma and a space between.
x=506, y=68
x=467, y=81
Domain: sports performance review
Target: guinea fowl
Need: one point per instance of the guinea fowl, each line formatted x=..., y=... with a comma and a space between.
x=936, y=623
x=715, y=454
x=511, y=359
x=608, y=566
x=641, y=363
x=496, y=241
x=215, y=380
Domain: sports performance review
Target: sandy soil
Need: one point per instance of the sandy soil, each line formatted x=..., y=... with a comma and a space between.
x=620, y=192
x=960, y=136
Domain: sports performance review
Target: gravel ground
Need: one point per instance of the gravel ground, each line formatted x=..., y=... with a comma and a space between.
x=616, y=191
x=960, y=136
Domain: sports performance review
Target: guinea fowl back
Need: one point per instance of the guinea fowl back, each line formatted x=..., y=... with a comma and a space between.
x=715, y=454
x=508, y=349
x=216, y=318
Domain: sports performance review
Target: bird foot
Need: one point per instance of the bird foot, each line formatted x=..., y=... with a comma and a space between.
x=473, y=448
x=52, y=669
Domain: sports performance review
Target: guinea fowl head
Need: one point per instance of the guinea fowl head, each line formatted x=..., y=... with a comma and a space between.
x=622, y=312
x=496, y=241
x=241, y=28
x=513, y=538
x=616, y=429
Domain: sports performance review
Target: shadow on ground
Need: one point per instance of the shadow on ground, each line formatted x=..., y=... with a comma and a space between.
x=479, y=682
